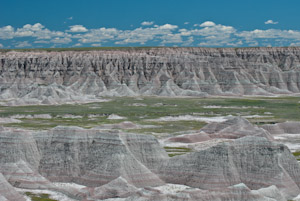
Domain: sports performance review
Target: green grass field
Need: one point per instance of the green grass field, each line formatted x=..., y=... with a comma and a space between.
x=140, y=110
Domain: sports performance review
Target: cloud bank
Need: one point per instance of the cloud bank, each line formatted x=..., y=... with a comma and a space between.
x=206, y=34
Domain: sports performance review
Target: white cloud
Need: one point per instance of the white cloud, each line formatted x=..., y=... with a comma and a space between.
x=70, y=18
x=295, y=44
x=168, y=26
x=6, y=32
x=253, y=43
x=28, y=30
x=216, y=35
x=271, y=22
x=38, y=31
x=77, y=45
x=186, y=23
x=1, y=46
x=35, y=27
x=143, y=35
x=270, y=34
x=221, y=43
x=98, y=35
x=217, y=30
x=147, y=23
x=207, y=24
x=77, y=28
x=189, y=41
x=171, y=38
x=185, y=32
x=206, y=34
x=23, y=44
x=96, y=45
x=61, y=40
x=41, y=42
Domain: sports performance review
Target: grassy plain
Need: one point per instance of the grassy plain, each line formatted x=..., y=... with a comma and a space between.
x=141, y=110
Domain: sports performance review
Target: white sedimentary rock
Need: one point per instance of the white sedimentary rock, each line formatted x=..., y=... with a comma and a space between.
x=235, y=127
x=115, y=117
x=135, y=167
x=60, y=77
x=8, y=192
x=289, y=127
x=192, y=118
x=254, y=161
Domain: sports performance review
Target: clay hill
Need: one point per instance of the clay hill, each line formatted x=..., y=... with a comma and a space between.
x=126, y=166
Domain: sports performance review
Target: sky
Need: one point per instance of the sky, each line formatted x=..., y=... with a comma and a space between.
x=108, y=23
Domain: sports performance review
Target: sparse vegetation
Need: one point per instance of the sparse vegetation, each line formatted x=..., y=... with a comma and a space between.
x=176, y=151
x=278, y=109
x=39, y=197
x=175, y=154
x=297, y=155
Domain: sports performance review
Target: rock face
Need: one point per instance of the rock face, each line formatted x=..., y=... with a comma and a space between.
x=33, y=160
x=136, y=167
x=290, y=127
x=234, y=128
x=233, y=193
x=87, y=157
x=54, y=77
x=254, y=161
x=8, y=192
x=118, y=188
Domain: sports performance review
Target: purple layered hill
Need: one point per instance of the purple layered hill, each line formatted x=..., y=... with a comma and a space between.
x=233, y=128
x=136, y=167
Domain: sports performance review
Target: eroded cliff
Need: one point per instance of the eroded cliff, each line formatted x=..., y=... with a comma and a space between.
x=55, y=77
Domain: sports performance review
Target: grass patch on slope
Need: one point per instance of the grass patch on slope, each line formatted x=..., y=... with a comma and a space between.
x=39, y=197
x=176, y=151
x=297, y=155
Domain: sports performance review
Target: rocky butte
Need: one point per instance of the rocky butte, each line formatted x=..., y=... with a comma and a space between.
x=232, y=160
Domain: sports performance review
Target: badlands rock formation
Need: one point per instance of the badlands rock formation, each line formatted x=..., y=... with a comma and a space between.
x=286, y=132
x=136, y=167
x=289, y=127
x=58, y=77
x=233, y=128
x=254, y=161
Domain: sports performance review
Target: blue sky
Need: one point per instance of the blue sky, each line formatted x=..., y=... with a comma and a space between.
x=86, y=23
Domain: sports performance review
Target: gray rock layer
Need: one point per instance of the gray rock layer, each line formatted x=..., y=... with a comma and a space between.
x=239, y=192
x=254, y=161
x=8, y=192
x=234, y=128
x=89, y=157
x=54, y=77
x=289, y=127
x=104, y=160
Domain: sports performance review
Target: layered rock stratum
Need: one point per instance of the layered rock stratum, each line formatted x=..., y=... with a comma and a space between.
x=231, y=160
x=70, y=76
x=126, y=166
